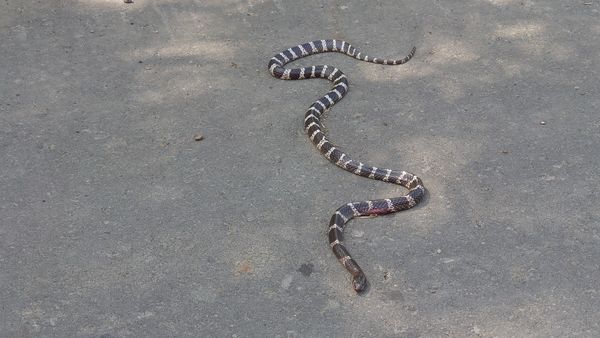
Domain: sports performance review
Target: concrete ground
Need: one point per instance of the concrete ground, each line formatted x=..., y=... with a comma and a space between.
x=115, y=222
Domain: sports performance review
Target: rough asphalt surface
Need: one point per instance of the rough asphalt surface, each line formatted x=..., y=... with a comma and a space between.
x=115, y=222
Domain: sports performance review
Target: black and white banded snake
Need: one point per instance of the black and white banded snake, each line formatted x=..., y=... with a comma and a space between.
x=314, y=129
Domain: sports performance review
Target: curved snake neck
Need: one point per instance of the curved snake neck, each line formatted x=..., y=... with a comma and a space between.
x=314, y=129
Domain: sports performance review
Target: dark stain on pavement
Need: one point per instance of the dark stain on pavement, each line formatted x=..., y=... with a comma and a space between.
x=306, y=269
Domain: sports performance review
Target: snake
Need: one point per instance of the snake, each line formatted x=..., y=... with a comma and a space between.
x=314, y=128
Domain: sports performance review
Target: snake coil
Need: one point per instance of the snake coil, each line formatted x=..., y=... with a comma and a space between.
x=314, y=129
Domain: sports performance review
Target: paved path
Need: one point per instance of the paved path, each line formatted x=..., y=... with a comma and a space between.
x=114, y=222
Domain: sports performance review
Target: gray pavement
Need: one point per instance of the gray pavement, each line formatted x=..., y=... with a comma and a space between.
x=114, y=222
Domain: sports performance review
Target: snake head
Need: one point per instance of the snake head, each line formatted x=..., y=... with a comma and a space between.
x=359, y=283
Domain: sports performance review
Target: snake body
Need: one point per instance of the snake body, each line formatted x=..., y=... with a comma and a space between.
x=314, y=129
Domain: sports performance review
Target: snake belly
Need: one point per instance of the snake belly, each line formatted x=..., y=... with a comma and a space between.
x=314, y=129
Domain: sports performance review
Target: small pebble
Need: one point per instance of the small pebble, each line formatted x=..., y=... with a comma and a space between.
x=439, y=251
x=287, y=281
x=357, y=233
x=543, y=123
x=198, y=137
x=128, y=1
